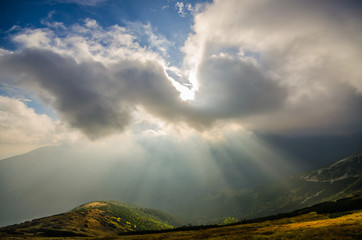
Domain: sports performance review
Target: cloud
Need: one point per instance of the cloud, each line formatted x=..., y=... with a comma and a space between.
x=180, y=7
x=91, y=97
x=231, y=88
x=96, y=79
x=34, y=38
x=156, y=42
x=184, y=8
x=292, y=69
x=305, y=77
x=22, y=128
x=49, y=22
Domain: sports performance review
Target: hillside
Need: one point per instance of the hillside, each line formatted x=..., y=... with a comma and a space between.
x=340, y=219
x=102, y=218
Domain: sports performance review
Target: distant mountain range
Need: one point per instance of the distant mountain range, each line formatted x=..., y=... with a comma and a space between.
x=341, y=179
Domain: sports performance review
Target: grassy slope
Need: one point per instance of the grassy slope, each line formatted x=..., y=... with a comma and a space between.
x=307, y=226
x=330, y=220
x=95, y=219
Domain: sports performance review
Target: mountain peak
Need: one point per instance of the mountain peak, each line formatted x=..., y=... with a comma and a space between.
x=92, y=205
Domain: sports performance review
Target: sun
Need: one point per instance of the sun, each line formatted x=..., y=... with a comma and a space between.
x=187, y=92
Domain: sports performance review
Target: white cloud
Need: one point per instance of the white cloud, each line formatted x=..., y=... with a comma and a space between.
x=87, y=41
x=36, y=38
x=180, y=7
x=184, y=8
x=156, y=42
x=49, y=22
x=22, y=129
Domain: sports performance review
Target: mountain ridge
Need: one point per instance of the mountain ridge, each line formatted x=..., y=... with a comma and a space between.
x=337, y=171
x=97, y=218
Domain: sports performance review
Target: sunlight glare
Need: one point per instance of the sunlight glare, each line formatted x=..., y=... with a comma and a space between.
x=188, y=94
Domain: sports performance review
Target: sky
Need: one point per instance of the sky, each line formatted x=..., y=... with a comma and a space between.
x=274, y=79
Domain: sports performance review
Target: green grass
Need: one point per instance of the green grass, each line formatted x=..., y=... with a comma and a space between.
x=306, y=226
x=340, y=219
x=95, y=219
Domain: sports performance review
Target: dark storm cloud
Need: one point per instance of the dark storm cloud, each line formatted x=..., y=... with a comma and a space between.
x=306, y=77
x=235, y=88
x=335, y=108
x=145, y=83
x=313, y=151
x=78, y=91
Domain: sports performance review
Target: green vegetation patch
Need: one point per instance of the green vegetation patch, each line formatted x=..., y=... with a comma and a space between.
x=339, y=214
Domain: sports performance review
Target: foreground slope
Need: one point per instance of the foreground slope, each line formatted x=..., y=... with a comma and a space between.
x=340, y=219
x=102, y=218
x=307, y=226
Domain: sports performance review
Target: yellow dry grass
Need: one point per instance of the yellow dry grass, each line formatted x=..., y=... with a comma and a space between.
x=307, y=226
x=94, y=204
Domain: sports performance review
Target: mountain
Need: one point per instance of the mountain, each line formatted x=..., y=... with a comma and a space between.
x=344, y=176
x=96, y=219
x=335, y=181
x=51, y=180
x=339, y=219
